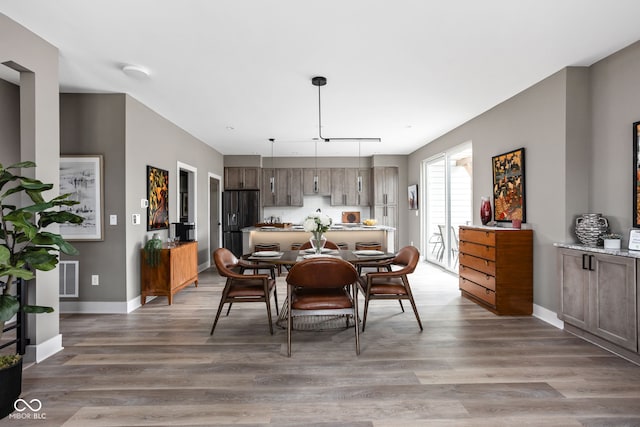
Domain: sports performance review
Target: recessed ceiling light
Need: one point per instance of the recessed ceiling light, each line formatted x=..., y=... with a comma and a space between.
x=135, y=71
x=230, y=128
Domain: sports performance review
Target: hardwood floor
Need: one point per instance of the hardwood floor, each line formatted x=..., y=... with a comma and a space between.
x=159, y=366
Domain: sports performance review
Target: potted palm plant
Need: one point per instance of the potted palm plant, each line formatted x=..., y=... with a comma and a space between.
x=25, y=246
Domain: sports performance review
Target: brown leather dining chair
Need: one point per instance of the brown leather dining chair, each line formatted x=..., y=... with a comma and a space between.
x=241, y=287
x=320, y=286
x=392, y=284
x=328, y=244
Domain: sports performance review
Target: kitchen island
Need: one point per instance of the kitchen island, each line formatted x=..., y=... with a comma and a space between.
x=347, y=233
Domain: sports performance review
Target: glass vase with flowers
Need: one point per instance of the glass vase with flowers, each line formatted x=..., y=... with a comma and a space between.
x=317, y=224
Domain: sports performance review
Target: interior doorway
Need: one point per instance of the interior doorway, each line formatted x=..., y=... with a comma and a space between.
x=215, y=209
x=187, y=196
x=447, y=180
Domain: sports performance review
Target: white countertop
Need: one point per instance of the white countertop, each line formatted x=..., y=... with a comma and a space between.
x=338, y=228
x=599, y=249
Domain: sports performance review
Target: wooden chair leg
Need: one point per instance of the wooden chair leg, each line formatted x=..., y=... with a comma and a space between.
x=229, y=308
x=355, y=318
x=289, y=321
x=400, y=301
x=225, y=291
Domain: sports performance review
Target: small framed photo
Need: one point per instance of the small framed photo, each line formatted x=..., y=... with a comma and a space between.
x=81, y=176
x=508, y=186
x=413, y=197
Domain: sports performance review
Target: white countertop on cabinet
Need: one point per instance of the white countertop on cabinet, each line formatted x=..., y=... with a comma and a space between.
x=599, y=249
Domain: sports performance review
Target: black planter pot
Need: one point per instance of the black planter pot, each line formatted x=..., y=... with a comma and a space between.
x=11, y=380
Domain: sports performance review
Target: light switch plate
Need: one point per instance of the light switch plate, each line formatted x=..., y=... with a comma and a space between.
x=144, y=203
x=113, y=219
x=135, y=219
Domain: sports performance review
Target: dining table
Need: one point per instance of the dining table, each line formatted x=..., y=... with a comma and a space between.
x=291, y=257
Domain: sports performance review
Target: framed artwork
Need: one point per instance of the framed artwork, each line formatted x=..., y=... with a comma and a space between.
x=413, y=197
x=636, y=175
x=81, y=177
x=508, y=186
x=158, y=196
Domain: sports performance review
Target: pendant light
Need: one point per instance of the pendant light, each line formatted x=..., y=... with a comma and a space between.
x=315, y=175
x=272, y=180
x=359, y=175
x=320, y=81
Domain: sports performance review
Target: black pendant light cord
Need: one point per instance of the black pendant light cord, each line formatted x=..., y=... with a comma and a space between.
x=321, y=81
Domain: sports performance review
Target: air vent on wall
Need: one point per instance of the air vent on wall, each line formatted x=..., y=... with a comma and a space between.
x=68, y=271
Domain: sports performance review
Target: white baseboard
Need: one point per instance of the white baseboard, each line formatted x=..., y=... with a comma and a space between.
x=551, y=317
x=38, y=352
x=100, y=307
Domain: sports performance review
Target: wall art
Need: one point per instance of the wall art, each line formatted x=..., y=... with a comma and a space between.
x=636, y=174
x=508, y=186
x=82, y=177
x=158, y=196
x=412, y=192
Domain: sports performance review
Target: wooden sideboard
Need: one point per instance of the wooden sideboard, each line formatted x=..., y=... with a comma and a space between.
x=496, y=268
x=177, y=269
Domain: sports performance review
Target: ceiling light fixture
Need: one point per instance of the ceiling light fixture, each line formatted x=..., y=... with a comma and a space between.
x=272, y=179
x=320, y=81
x=136, y=71
x=315, y=175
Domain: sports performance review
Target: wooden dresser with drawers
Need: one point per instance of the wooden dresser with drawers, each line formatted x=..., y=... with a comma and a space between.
x=496, y=268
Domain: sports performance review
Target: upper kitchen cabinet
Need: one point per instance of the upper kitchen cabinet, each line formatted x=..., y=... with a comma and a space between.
x=350, y=187
x=237, y=178
x=385, y=186
x=323, y=187
x=282, y=187
x=385, y=196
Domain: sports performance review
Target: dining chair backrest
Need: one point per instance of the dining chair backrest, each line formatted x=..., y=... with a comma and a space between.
x=328, y=244
x=408, y=258
x=225, y=261
x=322, y=272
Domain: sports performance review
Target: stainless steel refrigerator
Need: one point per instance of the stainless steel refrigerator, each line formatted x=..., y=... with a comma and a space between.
x=241, y=208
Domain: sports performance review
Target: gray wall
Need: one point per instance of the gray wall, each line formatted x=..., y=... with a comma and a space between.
x=153, y=140
x=37, y=62
x=576, y=127
x=95, y=124
x=9, y=123
x=534, y=119
x=615, y=92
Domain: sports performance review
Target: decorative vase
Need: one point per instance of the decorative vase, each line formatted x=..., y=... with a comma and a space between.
x=485, y=210
x=317, y=242
x=589, y=228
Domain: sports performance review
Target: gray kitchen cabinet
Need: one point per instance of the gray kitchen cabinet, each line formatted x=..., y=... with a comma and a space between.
x=324, y=182
x=385, y=196
x=239, y=178
x=345, y=188
x=284, y=190
x=599, y=296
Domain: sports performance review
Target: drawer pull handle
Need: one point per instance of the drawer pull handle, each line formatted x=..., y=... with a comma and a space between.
x=487, y=291
x=486, y=262
x=487, y=276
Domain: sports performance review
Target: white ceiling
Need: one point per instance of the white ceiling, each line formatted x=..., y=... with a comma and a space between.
x=235, y=73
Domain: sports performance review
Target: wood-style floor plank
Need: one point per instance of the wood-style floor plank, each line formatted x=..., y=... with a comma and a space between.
x=158, y=366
